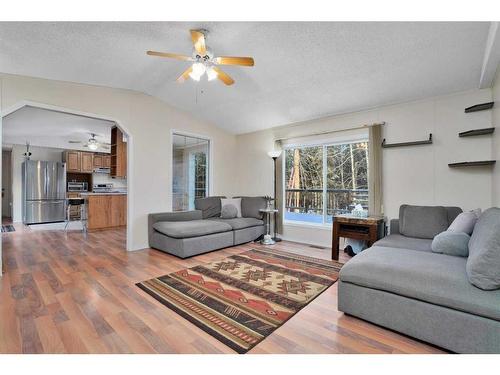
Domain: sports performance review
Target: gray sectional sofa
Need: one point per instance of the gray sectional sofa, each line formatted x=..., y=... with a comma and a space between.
x=399, y=283
x=188, y=233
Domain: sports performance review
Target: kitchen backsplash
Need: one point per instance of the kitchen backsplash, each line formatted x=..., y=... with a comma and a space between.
x=104, y=178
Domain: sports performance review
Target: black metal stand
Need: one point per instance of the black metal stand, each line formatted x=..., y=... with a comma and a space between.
x=275, y=238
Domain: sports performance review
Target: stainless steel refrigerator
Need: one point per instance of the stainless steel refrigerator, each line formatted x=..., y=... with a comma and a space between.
x=44, y=191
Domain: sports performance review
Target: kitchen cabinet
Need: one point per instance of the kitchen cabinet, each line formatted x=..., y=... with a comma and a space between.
x=73, y=161
x=106, y=211
x=87, y=162
x=118, y=154
x=106, y=159
x=98, y=161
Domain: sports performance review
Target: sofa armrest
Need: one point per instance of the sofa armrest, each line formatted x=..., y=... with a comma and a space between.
x=172, y=216
x=394, y=226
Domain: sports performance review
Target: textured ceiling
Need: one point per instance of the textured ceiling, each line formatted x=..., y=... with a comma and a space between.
x=302, y=70
x=45, y=128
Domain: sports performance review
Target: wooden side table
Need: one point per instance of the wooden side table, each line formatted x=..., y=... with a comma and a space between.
x=369, y=229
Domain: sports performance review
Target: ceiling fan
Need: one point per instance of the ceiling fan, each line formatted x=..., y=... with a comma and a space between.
x=93, y=144
x=204, y=60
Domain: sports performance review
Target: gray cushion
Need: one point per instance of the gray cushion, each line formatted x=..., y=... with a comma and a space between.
x=434, y=278
x=250, y=206
x=236, y=202
x=188, y=229
x=401, y=242
x=229, y=211
x=464, y=223
x=239, y=222
x=210, y=206
x=451, y=243
x=483, y=265
x=422, y=221
x=452, y=213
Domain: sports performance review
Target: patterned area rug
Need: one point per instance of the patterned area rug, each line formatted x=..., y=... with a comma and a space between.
x=242, y=299
x=8, y=228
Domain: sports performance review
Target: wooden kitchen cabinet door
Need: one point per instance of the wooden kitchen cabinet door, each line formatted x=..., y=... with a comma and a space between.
x=87, y=162
x=106, y=161
x=73, y=161
x=98, y=161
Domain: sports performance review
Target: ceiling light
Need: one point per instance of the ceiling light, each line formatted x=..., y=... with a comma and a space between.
x=211, y=73
x=194, y=76
x=199, y=68
x=93, y=145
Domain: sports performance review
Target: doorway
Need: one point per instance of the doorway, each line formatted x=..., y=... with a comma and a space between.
x=6, y=186
x=78, y=137
x=190, y=170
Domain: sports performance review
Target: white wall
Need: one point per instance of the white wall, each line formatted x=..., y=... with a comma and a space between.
x=149, y=122
x=496, y=140
x=414, y=175
x=38, y=153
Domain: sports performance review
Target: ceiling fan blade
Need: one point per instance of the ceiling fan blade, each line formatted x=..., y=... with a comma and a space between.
x=185, y=75
x=223, y=76
x=229, y=60
x=170, y=55
x=198, y=39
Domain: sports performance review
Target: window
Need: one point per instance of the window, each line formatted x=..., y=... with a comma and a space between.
x=324, y=180
x=189, y=171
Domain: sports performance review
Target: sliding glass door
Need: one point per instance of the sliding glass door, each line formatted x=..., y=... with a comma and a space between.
x=325, y=180
x=190, y=170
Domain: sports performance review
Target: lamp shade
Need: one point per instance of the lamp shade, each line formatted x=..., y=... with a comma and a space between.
x=274, y=154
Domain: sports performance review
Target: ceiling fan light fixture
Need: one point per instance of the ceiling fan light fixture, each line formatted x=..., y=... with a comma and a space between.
x=211, y=73
x=199, y=68
x=93, y=146
x=194, y=77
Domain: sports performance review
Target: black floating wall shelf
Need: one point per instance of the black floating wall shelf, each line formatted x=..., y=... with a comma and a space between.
x=479, y=107
x=403, y=144
x=474, y=132
x=479, y=163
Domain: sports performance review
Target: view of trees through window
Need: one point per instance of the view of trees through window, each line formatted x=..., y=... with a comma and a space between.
x=321, y=181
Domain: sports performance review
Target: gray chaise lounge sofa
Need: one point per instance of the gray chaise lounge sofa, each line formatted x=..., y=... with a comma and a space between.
x=399, y=283
x=188, y=233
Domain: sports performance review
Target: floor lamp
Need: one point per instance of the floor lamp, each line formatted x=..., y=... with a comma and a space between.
x=275, y=155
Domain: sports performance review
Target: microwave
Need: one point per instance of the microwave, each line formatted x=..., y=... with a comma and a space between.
x=78, y=186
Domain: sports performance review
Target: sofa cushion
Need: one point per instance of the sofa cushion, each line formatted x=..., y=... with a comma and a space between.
x=209, y=206
x=188, y=229
x=434, y=278
x=422, y=221
x=401, y=242
x=452, y=212
x=451, y=243
x=483, y=265
x=228, y=211
x=464, y=222
x=250, y=206
x=239, y=222
x=235, y=202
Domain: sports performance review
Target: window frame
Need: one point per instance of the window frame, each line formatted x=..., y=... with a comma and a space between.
x=297, y=144
x=209, y=161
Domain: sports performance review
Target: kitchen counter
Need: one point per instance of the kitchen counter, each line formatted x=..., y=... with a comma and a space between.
x=105, y=210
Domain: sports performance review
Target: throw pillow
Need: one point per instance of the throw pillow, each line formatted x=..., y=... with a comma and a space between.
x=465, y=222
x=451, y=243
x=422, y=221
x=229, y=211
x=483, y=265
x=236, y=202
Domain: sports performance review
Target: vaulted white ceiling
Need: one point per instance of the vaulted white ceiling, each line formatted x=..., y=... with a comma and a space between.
x=302, y=70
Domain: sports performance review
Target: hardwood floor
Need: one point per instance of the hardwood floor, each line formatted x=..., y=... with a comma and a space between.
x=64, y=294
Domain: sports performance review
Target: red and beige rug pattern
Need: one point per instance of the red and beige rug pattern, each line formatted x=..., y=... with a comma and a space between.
x=242, y=299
